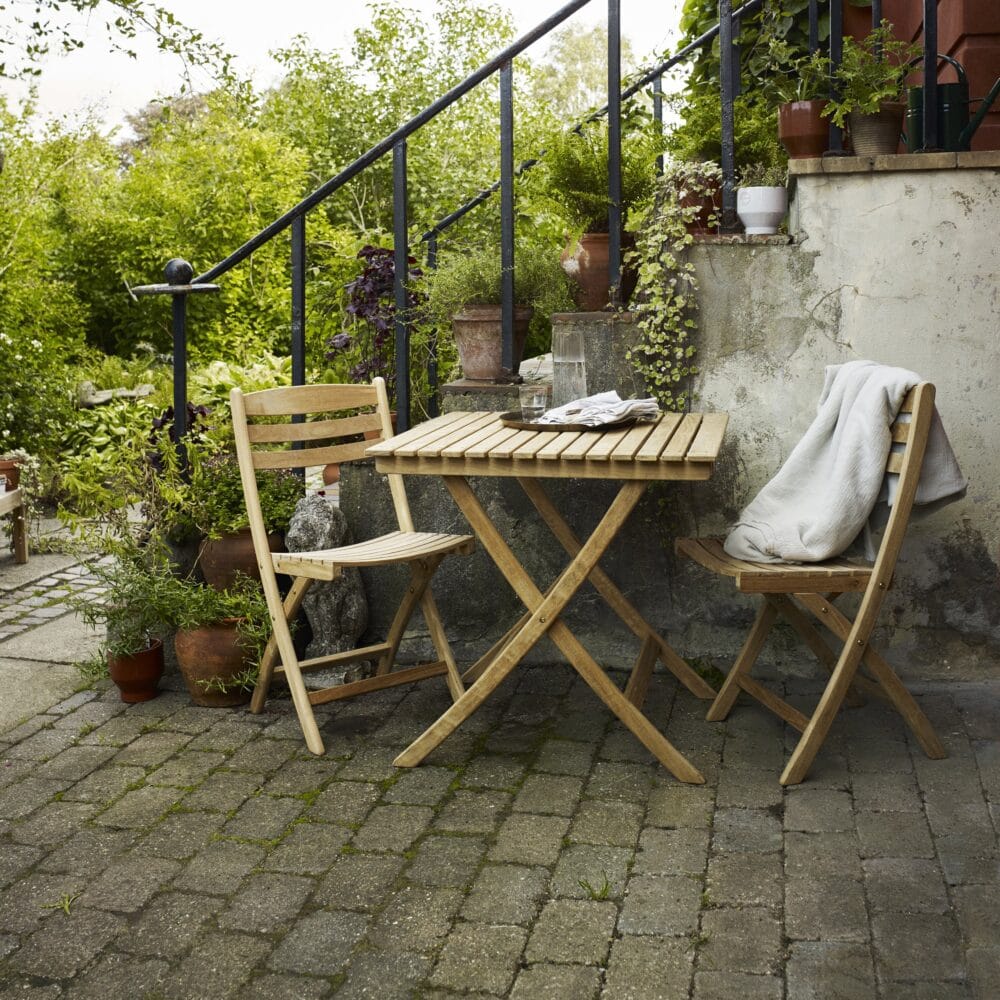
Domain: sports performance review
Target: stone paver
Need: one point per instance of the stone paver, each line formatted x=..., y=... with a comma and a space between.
x=175, y=852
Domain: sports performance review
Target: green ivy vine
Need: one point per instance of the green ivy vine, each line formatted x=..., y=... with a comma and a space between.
x=664, y=302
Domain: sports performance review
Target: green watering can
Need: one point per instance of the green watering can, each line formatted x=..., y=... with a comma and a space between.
x=955, y=130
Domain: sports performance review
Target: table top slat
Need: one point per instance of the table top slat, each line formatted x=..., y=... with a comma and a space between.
x=560, y=441
x=580, y=448
x=457, y=436
x=482, y=449
x=436, y=433
x=632, y=441
x=455, y=447
x=607, y=444
x=512, y=444
x=533, y=447
x=650, y=449
x=707, y=442
x=391, y=446
x=677, y=446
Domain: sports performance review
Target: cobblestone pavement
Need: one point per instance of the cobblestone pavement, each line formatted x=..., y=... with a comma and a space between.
x=165, y=851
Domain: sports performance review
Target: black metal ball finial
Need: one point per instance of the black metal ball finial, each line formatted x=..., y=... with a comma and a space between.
x=178, y=272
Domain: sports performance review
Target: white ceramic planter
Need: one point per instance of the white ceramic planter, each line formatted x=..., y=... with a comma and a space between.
x=761, y=209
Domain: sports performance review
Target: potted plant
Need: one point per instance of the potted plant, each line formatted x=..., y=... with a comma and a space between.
x=870, y=81
x=761, y=199
x=799, y=84
x=464, y=290
x=219, y=639
x=576, y=168
x=216, y=507
x=134, y=609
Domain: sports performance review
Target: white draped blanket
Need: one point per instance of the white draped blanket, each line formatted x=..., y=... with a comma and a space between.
x=823, y=495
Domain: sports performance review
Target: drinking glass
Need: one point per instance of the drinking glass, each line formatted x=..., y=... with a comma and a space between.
x=533, y=401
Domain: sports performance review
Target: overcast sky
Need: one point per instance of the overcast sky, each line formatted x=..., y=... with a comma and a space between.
x=114, y=84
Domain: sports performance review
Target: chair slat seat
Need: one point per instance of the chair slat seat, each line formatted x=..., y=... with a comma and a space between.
x=836, y=576
x=395, y=547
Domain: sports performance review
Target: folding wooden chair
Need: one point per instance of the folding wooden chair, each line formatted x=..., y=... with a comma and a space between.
x=12, y=502
x=791, y=590
x=340, y=411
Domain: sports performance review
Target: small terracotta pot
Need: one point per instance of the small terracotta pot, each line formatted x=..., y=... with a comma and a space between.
x=212, y=654
x=10, y=469
x=477, y=330
x=137, y=675
x=222, y=558
x=585, y=260
x=709, y=204
x=801, y=129
x=331, y=474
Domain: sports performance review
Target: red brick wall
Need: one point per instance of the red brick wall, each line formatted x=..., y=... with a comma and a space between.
x=969, y=31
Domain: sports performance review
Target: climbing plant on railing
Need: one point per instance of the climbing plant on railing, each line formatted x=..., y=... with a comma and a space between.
x=664, y=302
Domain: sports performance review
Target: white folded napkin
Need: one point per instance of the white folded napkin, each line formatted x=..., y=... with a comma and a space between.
x=602, y=408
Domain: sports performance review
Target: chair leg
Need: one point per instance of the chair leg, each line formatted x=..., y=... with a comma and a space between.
x=819, y=725
x=638, y=681
x=726, y=697
x=19, y=535
x=420, y=575
x=269, y=658
x=441, y=644
x=888, y=681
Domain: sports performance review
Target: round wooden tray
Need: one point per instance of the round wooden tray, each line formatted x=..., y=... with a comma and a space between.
x=513, y=419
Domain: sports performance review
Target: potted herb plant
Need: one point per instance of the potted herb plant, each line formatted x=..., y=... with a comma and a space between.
x=219, y=639
x=464, y=290
x=870, y=81
x=576, y=168
x=761, y=199
x=216, y=507
x=134, y=609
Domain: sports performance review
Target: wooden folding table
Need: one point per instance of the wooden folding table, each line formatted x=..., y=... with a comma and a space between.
x=461, y=444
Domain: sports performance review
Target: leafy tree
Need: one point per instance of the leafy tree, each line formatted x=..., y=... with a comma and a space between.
x=33, y=28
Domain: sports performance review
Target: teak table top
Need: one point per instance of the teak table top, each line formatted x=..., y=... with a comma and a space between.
x=676, y=446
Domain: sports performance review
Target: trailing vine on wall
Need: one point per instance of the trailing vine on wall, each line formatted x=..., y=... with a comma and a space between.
x=664, y=302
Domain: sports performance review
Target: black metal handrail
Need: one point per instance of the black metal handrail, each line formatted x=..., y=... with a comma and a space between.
x=179, y=274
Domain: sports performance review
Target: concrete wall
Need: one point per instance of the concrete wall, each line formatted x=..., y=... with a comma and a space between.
x=901, y=266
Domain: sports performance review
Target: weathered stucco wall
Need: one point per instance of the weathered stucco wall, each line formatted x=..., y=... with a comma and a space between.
x=901, y=267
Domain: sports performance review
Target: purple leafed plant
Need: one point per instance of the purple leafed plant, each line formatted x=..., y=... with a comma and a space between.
x=371, y=308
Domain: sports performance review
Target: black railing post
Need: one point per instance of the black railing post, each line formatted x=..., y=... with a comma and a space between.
x=876, y=13
x=813, y=25
x=836, y=55
x=735, y=57
x=432, y=347
x=728, y=141
x=298, y=310
x=614, y=150
x=507, y=216
x=658, y=116
x=401, y=270
x=179, y=272
x=931, y=138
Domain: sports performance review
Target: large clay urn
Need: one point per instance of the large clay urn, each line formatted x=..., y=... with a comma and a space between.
x=802, y=131
x=478, y=337
x=585, y=260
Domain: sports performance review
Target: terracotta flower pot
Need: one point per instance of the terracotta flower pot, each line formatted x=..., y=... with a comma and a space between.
x=709, y=205
x=10, y=469
x=585, y=260
x=801, y=130
x=477, y=332
x=222, y=558
x=137, y=675
x=209, y=658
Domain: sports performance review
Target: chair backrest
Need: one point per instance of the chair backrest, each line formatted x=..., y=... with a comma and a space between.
x=912, y=434
x=333, y=419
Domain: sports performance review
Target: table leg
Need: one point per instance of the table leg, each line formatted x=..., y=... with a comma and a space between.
x=619, y=603
x=544, y=611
